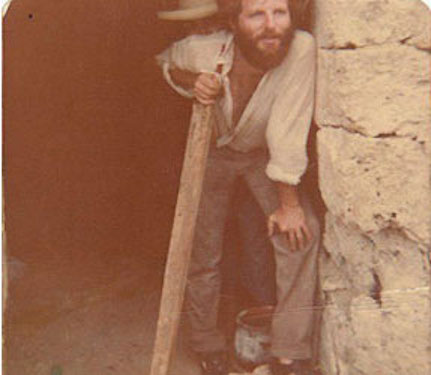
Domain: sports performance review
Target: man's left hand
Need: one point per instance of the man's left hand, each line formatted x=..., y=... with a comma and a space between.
x=291, y=221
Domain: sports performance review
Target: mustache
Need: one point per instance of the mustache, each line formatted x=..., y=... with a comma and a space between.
x=270, y=35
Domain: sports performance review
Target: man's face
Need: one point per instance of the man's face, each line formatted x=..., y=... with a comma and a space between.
x=263, y=31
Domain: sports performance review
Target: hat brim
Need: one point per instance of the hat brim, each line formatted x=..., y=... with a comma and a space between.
x=189, y=14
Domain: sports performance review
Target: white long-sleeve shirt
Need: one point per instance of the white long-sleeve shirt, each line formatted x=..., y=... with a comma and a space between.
x=279, y=113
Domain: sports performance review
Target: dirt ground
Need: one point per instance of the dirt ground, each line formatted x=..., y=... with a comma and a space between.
x=107, y=327
x=95, y=314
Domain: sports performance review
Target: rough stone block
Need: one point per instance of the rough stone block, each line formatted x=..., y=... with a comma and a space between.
x=378, y=340
x=352, y=255
x=343, y=24
x=375, y=184
x=336, y=337
x=376, y=91
x=359, y=262
x=393, y=338
x=331, y=275
x=374, y=147
x=376, y=293
x=401, y=264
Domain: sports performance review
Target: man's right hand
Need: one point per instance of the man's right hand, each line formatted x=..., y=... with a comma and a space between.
x=207, y=88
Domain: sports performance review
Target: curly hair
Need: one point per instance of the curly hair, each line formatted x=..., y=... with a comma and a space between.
x=231, y=9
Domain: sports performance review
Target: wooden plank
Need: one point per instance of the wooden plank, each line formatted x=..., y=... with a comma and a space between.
x=181, y=242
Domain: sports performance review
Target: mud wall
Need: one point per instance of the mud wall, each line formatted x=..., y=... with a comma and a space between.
x=374, y=118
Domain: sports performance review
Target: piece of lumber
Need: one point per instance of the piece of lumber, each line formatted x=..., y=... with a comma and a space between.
x=181, y=241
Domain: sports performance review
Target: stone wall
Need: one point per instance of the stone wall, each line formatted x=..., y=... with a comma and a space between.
x=374, y=117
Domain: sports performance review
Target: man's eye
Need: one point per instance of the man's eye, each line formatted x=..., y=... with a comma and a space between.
x=280, y=12
x=256, y=14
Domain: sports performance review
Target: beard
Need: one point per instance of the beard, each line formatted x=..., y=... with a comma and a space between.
x=261, y=58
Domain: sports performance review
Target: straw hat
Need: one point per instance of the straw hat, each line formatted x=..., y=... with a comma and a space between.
x=189, y=10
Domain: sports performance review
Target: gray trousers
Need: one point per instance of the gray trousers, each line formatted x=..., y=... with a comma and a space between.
x=254, y=268
x=296, y=272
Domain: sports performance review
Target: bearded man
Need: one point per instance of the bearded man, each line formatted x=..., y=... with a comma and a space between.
x=263, y=95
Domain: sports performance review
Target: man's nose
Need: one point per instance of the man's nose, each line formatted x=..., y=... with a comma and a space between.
x=270, y=22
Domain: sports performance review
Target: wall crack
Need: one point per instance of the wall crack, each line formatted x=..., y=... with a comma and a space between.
x=390, y=135
x=351, y=46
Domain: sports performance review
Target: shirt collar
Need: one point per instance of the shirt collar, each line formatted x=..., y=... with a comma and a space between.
x=225, y=58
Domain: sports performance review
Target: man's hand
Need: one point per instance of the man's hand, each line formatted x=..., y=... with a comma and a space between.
x=291, y=221
x=207, y=88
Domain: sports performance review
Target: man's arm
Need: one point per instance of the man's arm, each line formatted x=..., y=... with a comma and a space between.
x=206, y=86
x=184, y=61
x=183, y=78
x=290, y=218
x=287, y=135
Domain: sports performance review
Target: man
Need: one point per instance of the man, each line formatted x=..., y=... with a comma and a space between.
x=263, y=100
x=255, y=263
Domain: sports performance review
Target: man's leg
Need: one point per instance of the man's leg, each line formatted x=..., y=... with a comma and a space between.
x=203, y=286
x=296, y=275
x=257, y=258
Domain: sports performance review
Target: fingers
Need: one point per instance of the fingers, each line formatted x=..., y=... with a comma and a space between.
x=308, y=234
x=291, y=237
x=208, y=82
x=205, y=101
x=296, y=240
x=271, y=225
x=303, y=236
x=301, y=239
x=298, y=235
x=207, y=88
x=210, y=79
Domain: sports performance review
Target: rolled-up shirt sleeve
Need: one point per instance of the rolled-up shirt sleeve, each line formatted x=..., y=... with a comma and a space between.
x=174, y=57
x=290, y=120
x=196, y=54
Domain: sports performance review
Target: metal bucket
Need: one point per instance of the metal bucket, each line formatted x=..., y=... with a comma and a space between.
x=252, y=336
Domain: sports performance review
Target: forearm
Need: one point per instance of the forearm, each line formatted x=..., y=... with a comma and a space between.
x=205, y=87
x=288, y=195
x=183, y=78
